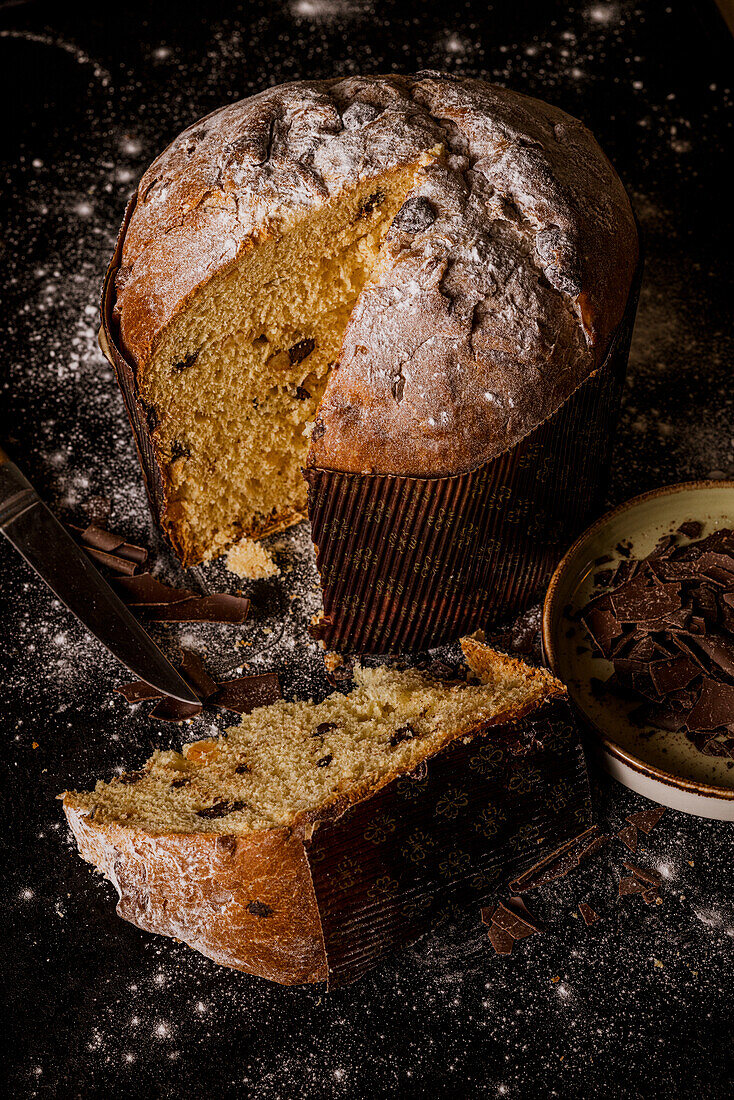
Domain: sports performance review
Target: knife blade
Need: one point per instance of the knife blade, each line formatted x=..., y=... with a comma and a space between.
x=65, y=567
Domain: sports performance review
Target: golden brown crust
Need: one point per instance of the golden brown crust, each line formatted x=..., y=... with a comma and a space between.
x=248, y=902
x=494, y=298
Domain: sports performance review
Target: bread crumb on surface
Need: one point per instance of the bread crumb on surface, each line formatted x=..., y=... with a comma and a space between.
x=251, y=561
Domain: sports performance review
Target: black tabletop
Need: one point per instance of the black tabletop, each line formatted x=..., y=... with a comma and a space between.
x=637, y=1005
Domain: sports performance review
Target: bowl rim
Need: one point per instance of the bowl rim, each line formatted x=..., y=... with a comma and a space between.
x=550, y=612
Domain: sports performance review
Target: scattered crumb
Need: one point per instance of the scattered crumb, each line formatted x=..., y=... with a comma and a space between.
x=251, y=561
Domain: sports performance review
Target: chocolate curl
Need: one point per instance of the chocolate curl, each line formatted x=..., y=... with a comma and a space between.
x=219, y=608
x=145, y=590
x=111, y=550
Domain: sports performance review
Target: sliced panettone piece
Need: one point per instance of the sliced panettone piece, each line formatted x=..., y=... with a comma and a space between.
x=212, y=845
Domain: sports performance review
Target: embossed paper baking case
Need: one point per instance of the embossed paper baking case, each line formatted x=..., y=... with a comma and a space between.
x=408, y=563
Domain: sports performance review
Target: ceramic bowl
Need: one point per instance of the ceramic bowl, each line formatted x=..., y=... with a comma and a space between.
x=660, y=765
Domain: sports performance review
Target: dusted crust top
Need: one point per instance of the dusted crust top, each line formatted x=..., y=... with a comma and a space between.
x=499, y=283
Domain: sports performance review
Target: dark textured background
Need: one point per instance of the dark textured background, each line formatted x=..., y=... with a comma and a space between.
x=636, y=1006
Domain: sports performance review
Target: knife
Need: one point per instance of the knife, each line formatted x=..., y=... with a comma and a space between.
x=48, y=547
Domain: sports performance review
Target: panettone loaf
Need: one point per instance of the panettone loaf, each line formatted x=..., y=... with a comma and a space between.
x=413, y=271
x=211, y=846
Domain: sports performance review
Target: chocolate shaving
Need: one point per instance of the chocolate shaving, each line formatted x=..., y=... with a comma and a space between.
x=559, y=863
x=588, y=915
x=218, y=608
x=667, y=626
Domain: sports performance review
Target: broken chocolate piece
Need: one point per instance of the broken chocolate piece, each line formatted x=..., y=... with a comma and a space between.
x=652, y=878
x=691, y=529
x=138, y=691
x=714, y=706
x=630, y=885
x=501, y=941
x=513, y=923
x=628, y=836
x=300, y=351
x=588, y=915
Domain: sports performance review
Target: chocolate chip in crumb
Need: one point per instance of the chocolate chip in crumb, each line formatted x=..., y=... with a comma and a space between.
x=243, y=769
x=324, y=761
x=259, y=909
x=370, y=204
x=324, y=727
x=415, y=215
x=187, y=361
x=179, y=450
x=302, y=394
x=221, y=808
x=132, y=777
x=300, y=351
x=404, y=733
x=183, y=782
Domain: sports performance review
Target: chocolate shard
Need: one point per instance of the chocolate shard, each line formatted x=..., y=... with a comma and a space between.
x=630, y=884
x=628, y=836
x=603, y=627
x=714, y=706
x=247, y=692
x=219, y=608
x=673, y=674
x=501, y=941
x=652, y=878
x=138, y=691
x=588, y=915
x=559, y=863
x=517, y=926
x=144, y=590
x=638, y=601
x=646, y=820
x=486, y=913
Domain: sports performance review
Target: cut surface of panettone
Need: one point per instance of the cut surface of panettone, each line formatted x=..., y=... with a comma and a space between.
x=293, y=760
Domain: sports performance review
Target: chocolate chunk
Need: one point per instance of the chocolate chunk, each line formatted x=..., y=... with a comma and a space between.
x=146, y=590
x=501, y=941
x=324, y=761
x=302, y=394
x=603, y=626
x=248, y=692
x=588, y=915
x=219, y=608
x=182, y=782
x=672, y=675
x=415, y=215
x=404, y=733
x=243, y=769
x=324, y=727
x=691, y=528
x=179, y=450
x=259, y=909
x=370, y=204
x=628, y=836
x=300, y=351
x=637, y=600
